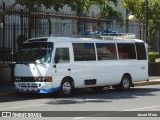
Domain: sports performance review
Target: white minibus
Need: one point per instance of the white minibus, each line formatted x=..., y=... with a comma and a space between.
x=49, y=64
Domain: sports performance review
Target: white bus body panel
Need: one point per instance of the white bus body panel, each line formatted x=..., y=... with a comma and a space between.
x=31, y=70
x=105, y=72
x=83, y=70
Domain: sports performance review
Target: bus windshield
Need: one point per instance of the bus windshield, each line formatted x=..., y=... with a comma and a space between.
x=36, y=52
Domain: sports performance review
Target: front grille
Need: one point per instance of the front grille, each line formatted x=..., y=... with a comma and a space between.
x=29, y=85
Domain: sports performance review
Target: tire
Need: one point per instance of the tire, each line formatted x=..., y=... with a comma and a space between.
x=66, y=88
x=125, y=83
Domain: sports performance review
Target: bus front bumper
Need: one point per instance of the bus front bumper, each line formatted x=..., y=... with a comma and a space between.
x=32, y=90
x=35, y=87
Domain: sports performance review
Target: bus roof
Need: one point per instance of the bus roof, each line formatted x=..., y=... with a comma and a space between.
x=81, y=39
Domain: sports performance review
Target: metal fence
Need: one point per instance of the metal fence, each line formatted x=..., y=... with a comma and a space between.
x=21, y=23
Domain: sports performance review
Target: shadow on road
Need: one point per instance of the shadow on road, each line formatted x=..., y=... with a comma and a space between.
x=87, y=95
x=104, y=96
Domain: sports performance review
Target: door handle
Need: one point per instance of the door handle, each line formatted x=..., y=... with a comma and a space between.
x=69, y=69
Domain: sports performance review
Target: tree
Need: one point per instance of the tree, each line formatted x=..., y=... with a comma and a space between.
x=77, y=5
x=107, y=11
x=56, y=4
x=80, y=6
x=137, y=7
x=47, y=3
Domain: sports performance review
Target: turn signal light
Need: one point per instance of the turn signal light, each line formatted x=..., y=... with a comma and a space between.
x=48, y=79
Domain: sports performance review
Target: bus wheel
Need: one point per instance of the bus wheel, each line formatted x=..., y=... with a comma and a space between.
x=66, y=88
x=125, y=83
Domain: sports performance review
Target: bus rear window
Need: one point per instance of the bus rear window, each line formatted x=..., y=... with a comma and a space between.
x=141, y=51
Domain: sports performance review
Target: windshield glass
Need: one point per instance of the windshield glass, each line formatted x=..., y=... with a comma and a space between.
x=36, y=52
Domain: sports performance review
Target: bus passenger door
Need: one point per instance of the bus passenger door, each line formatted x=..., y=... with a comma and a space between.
x=61, y=65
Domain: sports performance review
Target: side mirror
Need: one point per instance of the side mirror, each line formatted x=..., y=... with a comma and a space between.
x=55, y=60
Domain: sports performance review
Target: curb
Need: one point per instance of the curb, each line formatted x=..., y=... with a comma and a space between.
x=143, y=83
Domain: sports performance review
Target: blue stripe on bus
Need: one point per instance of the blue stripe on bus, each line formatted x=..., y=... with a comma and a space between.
x=49, y=90
x=41, y=90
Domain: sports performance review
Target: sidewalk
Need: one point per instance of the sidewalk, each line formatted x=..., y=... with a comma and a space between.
x=153, y=80
x=10, y=90
x=7, y=91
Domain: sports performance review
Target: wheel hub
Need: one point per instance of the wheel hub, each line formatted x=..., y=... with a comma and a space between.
x=66, y=87
x=126, y=83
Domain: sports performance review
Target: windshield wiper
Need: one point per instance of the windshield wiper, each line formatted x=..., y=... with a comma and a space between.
x=42, y=64
x=39, y=63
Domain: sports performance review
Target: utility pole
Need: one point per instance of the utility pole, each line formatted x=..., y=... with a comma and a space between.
x=146, y=21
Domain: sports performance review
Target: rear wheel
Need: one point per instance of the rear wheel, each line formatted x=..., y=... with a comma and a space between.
x=125, y=83
x=66, y=88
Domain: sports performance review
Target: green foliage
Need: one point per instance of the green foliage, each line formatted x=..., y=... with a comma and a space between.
x=57, y=4
x=78, y=5
x=47, y=3
x=137, y=7
x=152, y=56
x=107, y=11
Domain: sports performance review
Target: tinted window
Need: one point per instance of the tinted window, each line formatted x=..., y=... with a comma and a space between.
x=84, y=51
x=62, y=55
x=126, y=51
x=106, y=51
x=141, y=51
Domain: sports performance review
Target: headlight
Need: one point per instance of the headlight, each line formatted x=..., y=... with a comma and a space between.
x=43, y=79
x=33, y=79
x=48, y=79
x=17, y=79
x=38, y=79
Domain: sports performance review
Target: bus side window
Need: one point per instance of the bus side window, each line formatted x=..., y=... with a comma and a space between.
x=126, y=51
x=62, y=55
x=84, y=52
x=106, y=51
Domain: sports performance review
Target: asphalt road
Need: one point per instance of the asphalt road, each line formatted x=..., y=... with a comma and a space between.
x=89, y=105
